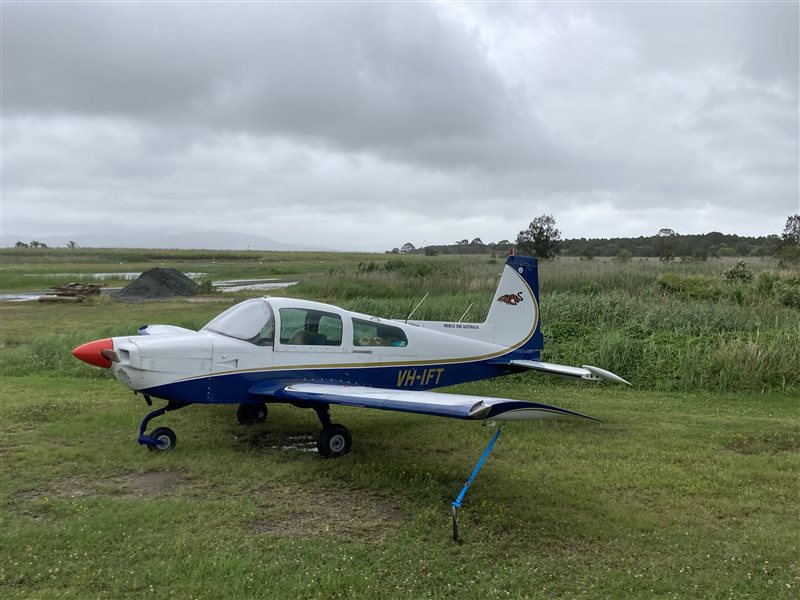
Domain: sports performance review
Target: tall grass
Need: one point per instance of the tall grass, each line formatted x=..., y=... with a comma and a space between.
x=719, y=337
x=672, y=361
x=636, y=276
x=400, y=279
x=664, y=327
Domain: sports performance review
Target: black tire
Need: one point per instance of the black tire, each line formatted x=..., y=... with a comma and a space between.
x=334, y=441
x=250, y=414
x=166, y=439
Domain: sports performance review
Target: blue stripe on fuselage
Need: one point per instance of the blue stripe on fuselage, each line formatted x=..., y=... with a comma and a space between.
x=234, y=388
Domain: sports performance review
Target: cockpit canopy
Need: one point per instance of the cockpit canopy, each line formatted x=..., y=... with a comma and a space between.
x=250, y=320
x=301, y=324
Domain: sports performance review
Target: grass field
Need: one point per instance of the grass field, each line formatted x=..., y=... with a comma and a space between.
x=689, y=487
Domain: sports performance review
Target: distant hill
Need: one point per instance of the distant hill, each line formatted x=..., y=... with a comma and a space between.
x=207, y=240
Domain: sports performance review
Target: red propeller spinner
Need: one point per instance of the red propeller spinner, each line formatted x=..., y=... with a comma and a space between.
x=99, y=353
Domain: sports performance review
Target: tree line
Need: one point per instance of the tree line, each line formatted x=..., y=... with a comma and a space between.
x=672, y=244
x=37, y=244
x=542, y=238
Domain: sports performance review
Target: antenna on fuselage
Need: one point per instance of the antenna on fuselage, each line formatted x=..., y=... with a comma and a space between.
x=417, y=306
x=465, y=312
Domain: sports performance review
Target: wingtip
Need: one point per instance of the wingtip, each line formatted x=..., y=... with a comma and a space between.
x=603, y=374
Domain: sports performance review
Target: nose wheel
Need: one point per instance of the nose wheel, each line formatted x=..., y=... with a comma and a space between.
x=161, y=439
x=165, y=440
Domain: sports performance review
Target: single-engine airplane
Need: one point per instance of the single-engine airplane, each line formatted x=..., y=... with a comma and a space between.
x=313, y=355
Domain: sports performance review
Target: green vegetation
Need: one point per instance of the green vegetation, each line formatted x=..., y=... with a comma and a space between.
x=677, y=327
x=36, y=269
x=715, y=326
x=687, y=488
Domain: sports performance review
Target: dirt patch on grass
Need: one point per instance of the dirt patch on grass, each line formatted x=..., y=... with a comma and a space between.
x=768, y=443
x=151, y=483
x=148, y=484
x=293, y=510
x=310, y=511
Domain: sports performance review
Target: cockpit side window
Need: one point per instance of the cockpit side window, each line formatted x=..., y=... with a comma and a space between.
x=307, y=327
x=370, y=333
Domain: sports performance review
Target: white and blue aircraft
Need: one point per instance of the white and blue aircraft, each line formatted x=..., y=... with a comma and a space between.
x=314, y=355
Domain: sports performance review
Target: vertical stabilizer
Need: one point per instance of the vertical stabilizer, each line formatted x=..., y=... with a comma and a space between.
x=513, y=319
x=514, y=314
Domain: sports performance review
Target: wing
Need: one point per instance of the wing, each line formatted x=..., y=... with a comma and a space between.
x=456, y=406
x=586, y=372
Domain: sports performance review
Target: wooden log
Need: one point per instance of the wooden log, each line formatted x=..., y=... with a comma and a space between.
x=73, y=289
x=53, y=298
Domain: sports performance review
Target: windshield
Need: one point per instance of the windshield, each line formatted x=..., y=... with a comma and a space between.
x=250, y=320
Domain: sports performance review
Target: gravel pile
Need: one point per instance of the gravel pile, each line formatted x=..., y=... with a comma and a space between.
x=158, y=283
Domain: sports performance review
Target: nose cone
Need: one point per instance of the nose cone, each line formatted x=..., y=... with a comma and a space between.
x=92, y=352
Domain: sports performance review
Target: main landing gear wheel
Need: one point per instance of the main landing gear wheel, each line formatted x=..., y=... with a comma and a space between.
x=334, y=441
x=166, y=439
x=250, y=414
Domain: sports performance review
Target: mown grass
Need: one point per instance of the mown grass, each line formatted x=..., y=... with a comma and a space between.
x=687, y=489
x=672, y=493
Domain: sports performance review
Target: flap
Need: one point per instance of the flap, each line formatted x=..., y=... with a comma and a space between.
x=457, y=406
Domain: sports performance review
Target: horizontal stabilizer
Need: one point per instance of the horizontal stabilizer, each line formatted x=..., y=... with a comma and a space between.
x=457, y=406
x=587, y=372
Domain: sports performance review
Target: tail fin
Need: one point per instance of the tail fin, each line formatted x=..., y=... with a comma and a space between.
x=513, y=319
x=514, y=314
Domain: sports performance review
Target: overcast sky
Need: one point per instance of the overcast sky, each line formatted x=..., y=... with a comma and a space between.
x=369, y=125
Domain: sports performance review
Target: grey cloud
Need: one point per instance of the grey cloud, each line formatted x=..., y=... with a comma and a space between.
x=390, y=79
x=758, y=38
x=388, y=116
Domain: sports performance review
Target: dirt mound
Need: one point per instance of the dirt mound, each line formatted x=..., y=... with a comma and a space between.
x=158, y=283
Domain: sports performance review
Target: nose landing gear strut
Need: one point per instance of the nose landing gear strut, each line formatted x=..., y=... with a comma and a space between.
x=161, y=439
